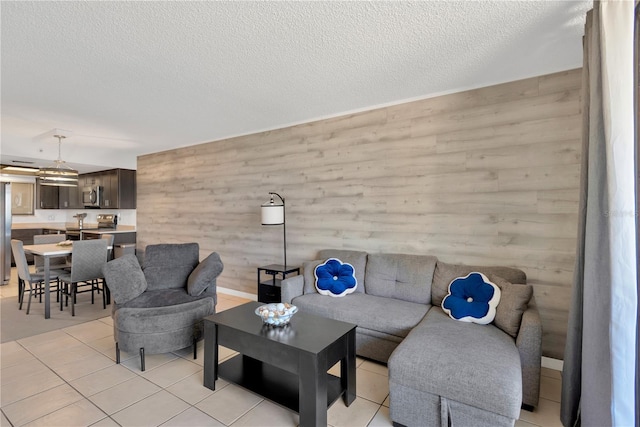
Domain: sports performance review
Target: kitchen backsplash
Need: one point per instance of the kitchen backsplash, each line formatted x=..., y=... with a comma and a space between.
x=125, y=216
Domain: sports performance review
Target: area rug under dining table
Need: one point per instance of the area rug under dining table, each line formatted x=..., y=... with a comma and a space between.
x=16, y=324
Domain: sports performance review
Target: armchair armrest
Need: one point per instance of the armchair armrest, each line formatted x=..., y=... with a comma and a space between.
x=212, y=292
x=291, y=288
x=529, y=344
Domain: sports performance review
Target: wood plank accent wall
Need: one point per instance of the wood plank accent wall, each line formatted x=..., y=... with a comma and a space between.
x=487, y=176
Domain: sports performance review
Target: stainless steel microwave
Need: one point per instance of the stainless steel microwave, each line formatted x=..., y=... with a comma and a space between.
x=91, y=196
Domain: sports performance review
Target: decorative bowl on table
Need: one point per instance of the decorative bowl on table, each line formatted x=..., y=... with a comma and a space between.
x=276, y=314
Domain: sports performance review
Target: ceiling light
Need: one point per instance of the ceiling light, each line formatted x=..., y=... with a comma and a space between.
x=20, y=169
x=59, y=175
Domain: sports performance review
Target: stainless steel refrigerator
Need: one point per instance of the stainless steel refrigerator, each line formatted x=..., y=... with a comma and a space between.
x=5, y=238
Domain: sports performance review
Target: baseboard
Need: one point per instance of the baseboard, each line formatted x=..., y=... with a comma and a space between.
x=550, y=363
x=252, y=297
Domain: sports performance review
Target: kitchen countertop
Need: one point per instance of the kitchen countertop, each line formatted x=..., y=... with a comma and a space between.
x=118, y=229
x=73, y=226
x=47, y=225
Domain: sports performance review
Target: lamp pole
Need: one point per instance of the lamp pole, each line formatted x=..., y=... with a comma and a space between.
x=284, y=226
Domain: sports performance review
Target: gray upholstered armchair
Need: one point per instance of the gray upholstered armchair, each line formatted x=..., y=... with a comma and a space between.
x=159, y=307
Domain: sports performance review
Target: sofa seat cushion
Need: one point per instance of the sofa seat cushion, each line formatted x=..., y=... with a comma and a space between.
x=162, y=318
x=162, y=298
x=386, y=315
x=477, y=365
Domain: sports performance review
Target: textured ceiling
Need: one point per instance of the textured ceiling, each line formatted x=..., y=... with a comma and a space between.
x=130, y=78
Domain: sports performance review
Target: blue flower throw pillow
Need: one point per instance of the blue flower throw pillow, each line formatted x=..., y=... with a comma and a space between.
x=472, y=298
x=335, y=278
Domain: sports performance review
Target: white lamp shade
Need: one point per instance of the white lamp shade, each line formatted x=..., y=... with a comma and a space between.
x=272, y=214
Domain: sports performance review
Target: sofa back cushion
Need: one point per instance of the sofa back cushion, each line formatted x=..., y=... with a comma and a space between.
x=403, y=277
x=168, y=265
x=514, y=301
x=204, y=275
x=308, y=267
x=357, y=259
x=445, y=273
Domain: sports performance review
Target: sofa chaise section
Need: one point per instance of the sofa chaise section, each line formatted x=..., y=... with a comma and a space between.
x=463, y=372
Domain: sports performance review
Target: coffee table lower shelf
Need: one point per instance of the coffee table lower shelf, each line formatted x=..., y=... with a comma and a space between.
x=271, y=382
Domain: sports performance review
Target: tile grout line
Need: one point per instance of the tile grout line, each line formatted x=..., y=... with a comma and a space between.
x=75, y=389
x=178, y=356
x=138, y=374
x=161, y=387
x=6, y=417
x=62, y=379
x=262, y=399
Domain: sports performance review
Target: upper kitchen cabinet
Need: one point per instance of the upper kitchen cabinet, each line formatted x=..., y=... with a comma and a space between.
x=70, y=197
x=119, y=189
x=90, y=179
x=47, y=197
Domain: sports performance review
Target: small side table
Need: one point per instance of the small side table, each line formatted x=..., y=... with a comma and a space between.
x=269, y=288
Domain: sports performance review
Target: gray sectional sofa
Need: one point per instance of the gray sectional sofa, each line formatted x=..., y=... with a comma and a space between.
x=441, y=371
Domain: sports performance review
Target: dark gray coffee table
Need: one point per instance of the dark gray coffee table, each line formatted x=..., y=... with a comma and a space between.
x=287, y=365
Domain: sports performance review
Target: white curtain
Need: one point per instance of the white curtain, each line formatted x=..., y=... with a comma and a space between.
x=600, y=357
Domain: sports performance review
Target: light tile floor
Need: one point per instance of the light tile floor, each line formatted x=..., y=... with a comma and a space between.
x=69, y=378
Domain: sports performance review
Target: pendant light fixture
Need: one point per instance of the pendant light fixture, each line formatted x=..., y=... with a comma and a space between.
x=61, y=174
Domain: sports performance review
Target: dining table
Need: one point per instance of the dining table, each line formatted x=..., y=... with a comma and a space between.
x=48, y=251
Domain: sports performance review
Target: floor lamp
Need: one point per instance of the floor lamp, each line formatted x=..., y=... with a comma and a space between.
x=273, y=214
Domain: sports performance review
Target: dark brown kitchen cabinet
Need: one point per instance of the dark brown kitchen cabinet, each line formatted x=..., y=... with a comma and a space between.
x=47, y=196
x=70, y=197
x=118, y=238
x=122, y=238
x=109, y=180
x=119, y=189
x=90, y=179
